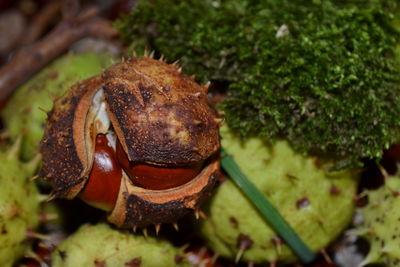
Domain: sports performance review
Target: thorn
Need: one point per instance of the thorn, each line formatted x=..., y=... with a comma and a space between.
x=326, y=256
x=239, y=255
x=134, y=54
x=42, y=197
x=206, y=86
x=32, y=234
x=44, y=110
x=145, y=53
x=157, y=226
x=221, y=113
x=176, y=62
x=33, y=164
x=44, y=217
x=14, y=150
x=202, y=214
x=383, y=172
x=134, y=228
x=145, y=232
x=197, y=122
x=151, y=54
x=218, y=121
x=278, y=245
x=185, y=246
x=243, y=243
x=176, y=227
x=180, y=69
x=51, y=197
x=161, y=58
x=193, y=76
x=51, y=96
x=122, y=59
x=34, y=178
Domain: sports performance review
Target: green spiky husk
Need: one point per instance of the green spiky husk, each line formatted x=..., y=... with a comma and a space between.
x=381, y=224
x=19, y=205
x=101, y=245
x=288, y=179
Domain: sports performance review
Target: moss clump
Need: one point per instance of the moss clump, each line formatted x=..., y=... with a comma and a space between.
x=322, y=74
x=318, y=205
x=101, y=245
x=25, y=112
x=19, y=205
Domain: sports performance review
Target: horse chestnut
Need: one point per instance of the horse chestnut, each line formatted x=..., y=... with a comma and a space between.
x=139, y=141
x=157, y=177
x=104, y=181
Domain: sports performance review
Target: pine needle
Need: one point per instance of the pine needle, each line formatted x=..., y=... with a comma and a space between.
x=267, y=209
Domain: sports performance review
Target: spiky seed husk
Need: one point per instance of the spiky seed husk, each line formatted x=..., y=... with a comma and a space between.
x=272, y=168
x=19, y=205
x=113, y=247
x=381, y=222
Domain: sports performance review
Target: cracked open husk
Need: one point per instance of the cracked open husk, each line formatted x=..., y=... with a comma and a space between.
x=160, y=117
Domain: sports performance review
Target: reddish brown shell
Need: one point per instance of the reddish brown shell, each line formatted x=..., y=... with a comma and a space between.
x=66, y=159
x=140, y=207
x=159, y=114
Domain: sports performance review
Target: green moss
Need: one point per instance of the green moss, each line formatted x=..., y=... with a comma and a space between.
x=101, y=245
x=331, y=85
x=318, y=205
x=25, y=112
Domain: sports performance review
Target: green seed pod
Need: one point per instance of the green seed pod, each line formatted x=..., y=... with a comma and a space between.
x=101, y=245
x=381, y=224
x=19, y=205
x=317, y=204
x=25, y=112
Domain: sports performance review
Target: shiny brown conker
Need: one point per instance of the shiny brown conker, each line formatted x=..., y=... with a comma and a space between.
x=104, y=181
x=157, y=177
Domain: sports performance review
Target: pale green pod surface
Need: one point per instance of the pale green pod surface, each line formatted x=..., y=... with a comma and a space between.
x=19, y=205
x=101, y=245
x=317, y=204
x=25, y=112
x=381, y=225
